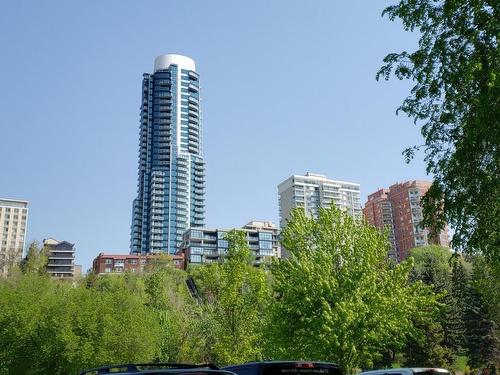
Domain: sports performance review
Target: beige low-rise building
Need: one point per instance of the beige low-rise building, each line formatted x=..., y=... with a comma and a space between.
x=13, y=219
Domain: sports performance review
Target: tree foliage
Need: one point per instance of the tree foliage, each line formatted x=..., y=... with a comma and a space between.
x=482, y=342
x=338, y=297
x=439, y=338
x=456, y=99
x=35, y=261
x=49, y=327
x=168, y=297
x=9, y=260
x=234, y=296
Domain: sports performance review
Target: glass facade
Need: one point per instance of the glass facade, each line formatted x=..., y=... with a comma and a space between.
x=171, y=178
x=205, y=245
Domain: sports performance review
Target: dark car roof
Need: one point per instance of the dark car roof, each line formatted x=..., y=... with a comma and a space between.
x=183, y=371
x=284, y=362
x=415, y=370
x=154, y=368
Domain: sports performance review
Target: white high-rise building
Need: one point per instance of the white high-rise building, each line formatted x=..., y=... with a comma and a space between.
x=313, y=191
x=13, y=218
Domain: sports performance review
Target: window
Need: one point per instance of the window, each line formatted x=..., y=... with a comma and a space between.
x=222, y=243
x=266, y=245
x=221, y=235
x=108, y=261
x=196, y=258
x=265, y=236
x=161, y=94
x=196, y=234
x=266, y=252
x=196, y=250
x=107, y=270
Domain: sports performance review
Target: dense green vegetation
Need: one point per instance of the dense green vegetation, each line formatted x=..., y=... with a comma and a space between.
x=338, y=297
x=455, y=98
x=335, y=298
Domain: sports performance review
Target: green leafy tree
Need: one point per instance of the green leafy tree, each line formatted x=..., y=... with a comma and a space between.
x=168, y=296
x=485, y=281
x=234, y=297
x=435, y=344
x=482, y=339
x=455, y=97
x=9, y=260
x=36, y=260
x=455, y=323
x=426, y=348
x=48, y=327
x=337, y=296
x=431, y=266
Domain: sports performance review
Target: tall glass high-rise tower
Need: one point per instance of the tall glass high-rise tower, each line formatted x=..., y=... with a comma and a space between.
x=171, y=181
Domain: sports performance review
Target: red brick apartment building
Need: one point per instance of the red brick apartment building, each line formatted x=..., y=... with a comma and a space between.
x=118, y=263
x=399, y=211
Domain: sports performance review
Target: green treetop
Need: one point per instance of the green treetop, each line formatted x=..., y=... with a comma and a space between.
x=455, y=97
x=338, y=298
x=235, y=296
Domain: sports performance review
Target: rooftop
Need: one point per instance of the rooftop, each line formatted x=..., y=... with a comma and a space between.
x=183, y=62
x=13, y=202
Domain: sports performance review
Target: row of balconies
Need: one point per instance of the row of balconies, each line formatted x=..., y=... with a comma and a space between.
x=60, y=257
x=182, y=199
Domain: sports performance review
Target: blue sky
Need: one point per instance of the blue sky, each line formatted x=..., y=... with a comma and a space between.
x=288, y=87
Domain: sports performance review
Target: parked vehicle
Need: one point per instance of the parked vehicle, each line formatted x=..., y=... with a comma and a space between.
x=408, y=371
x=285, y=368
x=157, y=369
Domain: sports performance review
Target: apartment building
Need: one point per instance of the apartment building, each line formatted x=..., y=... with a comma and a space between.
x=207, y=245
x=378, y=212
x=171, y=174
x=61, y=258
x=312, y=191
x=13, y=220
x=399, y=210
x=119, y=263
